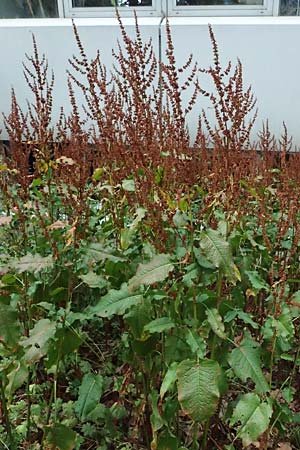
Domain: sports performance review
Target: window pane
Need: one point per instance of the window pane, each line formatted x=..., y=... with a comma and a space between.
x=12, y=9
x=289, y=8
x=218, y=2
x=112, y=3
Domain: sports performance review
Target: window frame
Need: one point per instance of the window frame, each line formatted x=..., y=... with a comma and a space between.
x=268, y=8
x=107, y=11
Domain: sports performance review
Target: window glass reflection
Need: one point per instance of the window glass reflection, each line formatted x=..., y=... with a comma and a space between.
x=111, y=3
x=13, y=9
x=219, y=2
x=289, y=8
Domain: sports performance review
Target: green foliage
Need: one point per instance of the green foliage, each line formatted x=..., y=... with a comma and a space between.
x=245, y=361
x=61, y=437
x=152, y=272
x=218, y=252
x=89, y=395
x=254, y=417
x=9, y=325
x=116, y=302
x=198, y=388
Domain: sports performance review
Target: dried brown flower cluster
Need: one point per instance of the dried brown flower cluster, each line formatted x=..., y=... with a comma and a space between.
x=133, y=125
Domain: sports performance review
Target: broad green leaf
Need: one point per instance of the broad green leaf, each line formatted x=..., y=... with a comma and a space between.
x=36, y=346
x=201, y=260
x=166, y=441
x=152, y=272
x=127, y=234
x=116, y=302
x=61, y=437
x=157, y=421
x=169, y=379
x=16, y=377
x=198, y=390
x=284, y=326
x=253, y=416
x=218, y=252
x=196, y=343
x=127, y=237
x=245, y=362
x=65, y=342
x=139, y=215
x=93, y=280
x=32, y=263
x=295, y=296
x=9, y=325
x=257, y=282
x=245, y=317
x=215, y=321
x=192, y=272
x=98, y=252
x=128, y=185
x=159, y=325
x=90, y=392
x=137, y=317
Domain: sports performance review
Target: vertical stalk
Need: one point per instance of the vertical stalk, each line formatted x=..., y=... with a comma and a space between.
x=205, y=435
x=195, y=437
x=28, y=396
x=6, y=416
x=212, y=353
x=147, y=411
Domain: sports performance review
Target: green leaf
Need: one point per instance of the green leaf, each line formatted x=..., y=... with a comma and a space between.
x=32, y=263
x=215, y=321
x=137, y=317
x=257, y=282
x=127, y=237
x=116, y=302
x=100, y=253
x=128, y=185
x=284, y=326
x=16, y=377
x=157, y=421
x=166, y=441
x=201, y=260
x=196, y=343
x=90, y=392
x=254, y=417
x=245, y=362
x=61, y=437
x=93, y=280
x=169, y=379
x=159, y=325
x=65, y=342
x=9, y=325
x=152, y=272
x=218, y=252
x=198, y=390
x=245, y=317
x=36, y=346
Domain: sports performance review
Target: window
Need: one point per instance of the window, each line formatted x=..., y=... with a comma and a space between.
x=289, y=8
x=98, y=8
x=12, y=9
x=106, y=8
x=221, y=7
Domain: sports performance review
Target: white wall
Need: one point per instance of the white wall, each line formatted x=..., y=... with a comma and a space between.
x=268, y=48
x=55, y=38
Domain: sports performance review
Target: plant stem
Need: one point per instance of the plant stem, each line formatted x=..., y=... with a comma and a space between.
x=28, y=395
x=6, y=416
x=205, y=435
